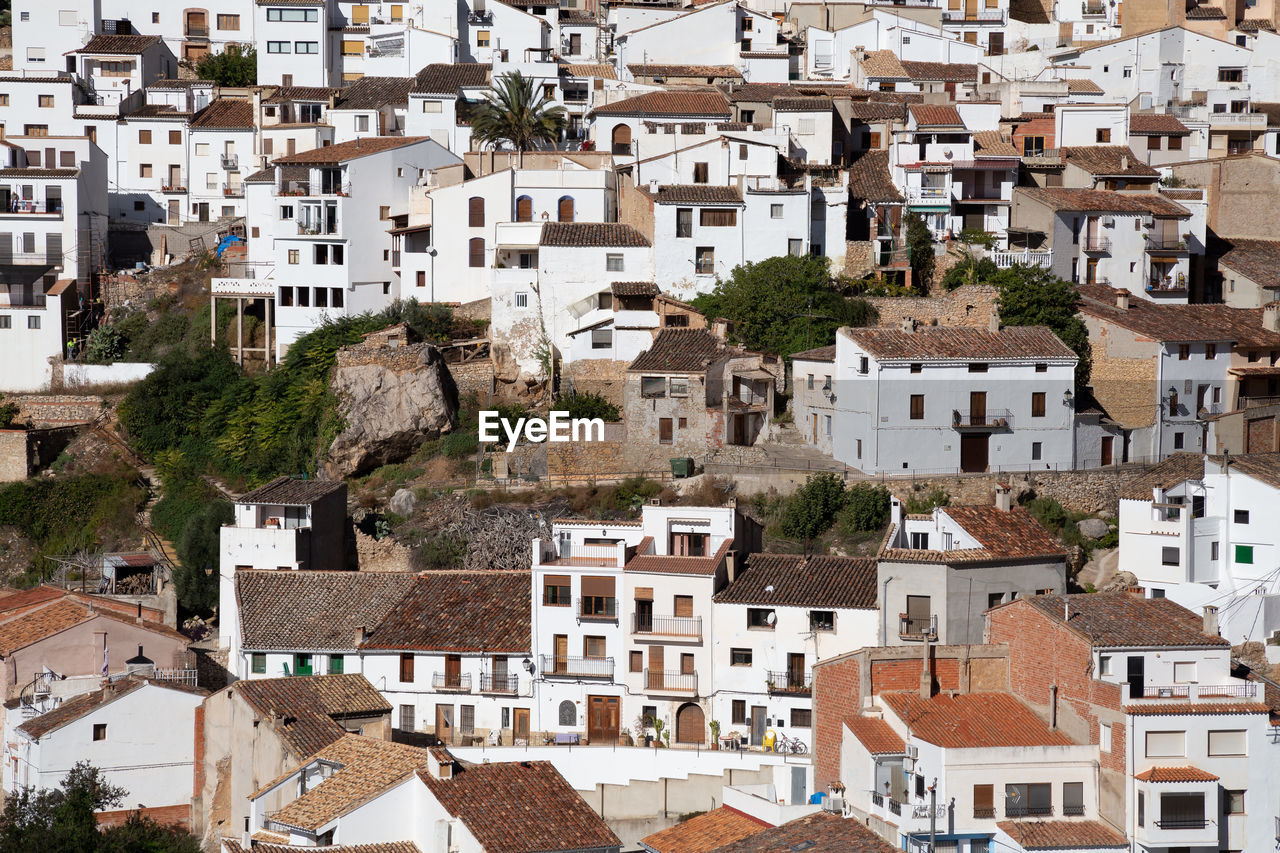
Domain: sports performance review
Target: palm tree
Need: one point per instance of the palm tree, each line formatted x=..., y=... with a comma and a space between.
x=516, y=112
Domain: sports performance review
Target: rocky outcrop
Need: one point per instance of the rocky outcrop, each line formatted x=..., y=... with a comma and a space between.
x=392, y=399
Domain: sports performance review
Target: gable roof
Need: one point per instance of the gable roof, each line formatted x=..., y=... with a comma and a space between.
x=373, y=93
x=37, y=624
x=634, y=288
x=225, y=114
x=1182, y=323
x=309, y=705
x=878, y=111
x=666, y=564
x=696, y=194
x=1170, y=471
x=520, y=807
x=671, y=102
x=1156, y=124
x=791, y=580
x=471, y=611
x=290, y=491
x=705, y=832
x=680, y=351
x=972, y=720
x=803, y=104
x=1186, y=773
x=883, y=65
x=821, y=831
x=118, y=44
x=1104, y=201
x=935, y=115
x=349, y=150
x=654, y=69
x=313, y=610
x=989, y=143
x=971, y=344
x=1124, y=620
x=587, y=234
x=877, y=736
x=1063, y=834
x=230, y=845
x=446, y=78
x=827, y=353
x=946, y=72
x=603, y=70
x=1108, y=161
x=86, y=703
x=301, y=93
x=1256, y=260
x=1081, y=86
x=869, y=179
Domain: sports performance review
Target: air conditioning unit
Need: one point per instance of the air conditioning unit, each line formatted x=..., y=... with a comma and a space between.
x=913, y=751
x=833, y=804
x=1108, y=222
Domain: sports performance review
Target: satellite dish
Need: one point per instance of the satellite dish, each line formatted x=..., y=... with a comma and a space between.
x=771, y=618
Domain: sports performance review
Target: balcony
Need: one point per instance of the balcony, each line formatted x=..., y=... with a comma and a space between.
x=556, y=666
x=1166, y=244
x=686, y=627
x=30, y=259
x=983, y=814
x=233, y=191
x=929, y=195
x=375, y=52
x=567, y=554
x=1094, y=10
x=985, y=419
x=451, y=682
x=18, y=299
x=1167, y=284
x=1026, y=257
x=1095, y=244
x=480, y=17
x=316, y=229
x=788, y=683
x=916, y=629
x=170, y=189
x=507, y=685
x=669, y=681
x=1209, y=692
x=1015, y=810
x=196, y=32
x=597, y=609
x=1240, y=120
x=622, y=149
x=1183, y=823
x=303, y=188
x=980, y=16
x=30, y=207
x=230, y=161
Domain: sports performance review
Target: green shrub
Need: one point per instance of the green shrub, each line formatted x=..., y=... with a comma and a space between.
x=587, y=405
x=811, y=510
x=918, y=504
x=866, y=509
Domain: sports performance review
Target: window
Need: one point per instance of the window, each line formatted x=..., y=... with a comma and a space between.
x=717, y=217
x=1104, y=738
x=653, y=386
x=739, y=711
x=35, y=54
x=1037, y=449
x=977, y=367
x=278, y=47
x=406, y=667
x=701, y=173
x=407, y=713
x=593, y=647
x=33, y=322
x=322, y=297
x=475, y=252
x=822, y=620
x=1241, y=516
x=336, y=664
x=984, y=801
x=1166, y=744
x=202, y=150
x=775, y=211
x=1197, y=506
x=44, y=101
x=1037, y=404
x=258, y=663
x=1023, y=800
x=613, y=263
x=705, y=260
x=228, y=22
x=665, y=431
x=482, y=38
x=35, y=130
x=320, y=253
x=302, y=664
x=286, y=296
x=1072, y=799
x=1175, y=143
x=1142, y=808
x=564, y=209
x=920, y=540
x=99, y=731
x=635, y=662
x=144, y=170
x=1168, y=556
x=1184, y=352
x=917, y=407
x=1230, y=75
x=293, y=15
x=335, y=297
x=740, y=657
x=1103, y=135
x=555, y=591
x=801, y=718
x=760, y=618
x=311, y=47
x=1244, y=555
x=684, y=222
x=1232, y=802
x=362, y=124
x=475, y=212
x=795, y=247
x=294, y=256
x=175, y=137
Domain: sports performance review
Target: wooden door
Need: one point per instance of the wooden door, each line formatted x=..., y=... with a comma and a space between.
x=757, y=725
x=1106, y=450
x=813, y=427
x=174, y=211
x=444, y=723
x=565, y=209
x=977, y=408
x=452, y=670
x=520, y=726
x=1259, y=435
x=175, y=175
x=795, y=670
x=973, y=453
x=995, y=44
x=664, y=430
x=561, y=653
x=524, y=209
x=603, y=719
x=1136, y=676
x=657, y=663
x=644, y=615
x=575, y=44
x=690, y=724
x=686, y=663
x=499, y=669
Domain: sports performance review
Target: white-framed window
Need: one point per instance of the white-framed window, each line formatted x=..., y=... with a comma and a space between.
x=1104, y=737
x=828, y=424
x=362, y=124
x=1228, y=742
x=613, y=262
x=1104, y=665
x=286, y=211
x=806, y=127
x=293, y=15
x=1184, y=672
x=602, y=338
x=432, y=107
x=202, y=149
x=34, y=54
x=522, y=300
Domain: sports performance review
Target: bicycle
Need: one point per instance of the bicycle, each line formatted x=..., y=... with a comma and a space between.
x=790, y=744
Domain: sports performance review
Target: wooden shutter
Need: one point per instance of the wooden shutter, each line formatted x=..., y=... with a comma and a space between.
x=406, y=668
x=686, y=663
x=664, y=430
x=475, y=212
x=359, y=14
x=476, y=246
x=718, y=217
x=983, y=800
x=597, y=587
x=644, y=593
x=683, y=606
x=566, y=209
x=524, y=209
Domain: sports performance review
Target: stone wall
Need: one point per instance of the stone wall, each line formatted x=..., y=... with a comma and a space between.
x=14, y=458
x=473, y=377
x=967, y=305
x=858, y=257
x=602, y=376
x=53, y=410
x=1080, y=491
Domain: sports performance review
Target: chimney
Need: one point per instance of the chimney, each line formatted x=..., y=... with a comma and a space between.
x=926, y=672
x=1004, y=497
x=653, y=186
x=438, y=768
x=1124, y=162
x=1271, y=317
x=908, y=325
x=1122, y=299
x=859, y=54
x=895, y=513
x=361, y=635
x=731, y=565
x=1211, y=620
x=993, y=322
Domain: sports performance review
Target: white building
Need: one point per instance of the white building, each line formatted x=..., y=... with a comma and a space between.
x=293, y=45
x=223, y=142
x=949, y=399
x=771, y=624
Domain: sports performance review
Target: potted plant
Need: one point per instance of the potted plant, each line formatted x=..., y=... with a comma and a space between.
x=641, y=729
x=715, y=734
x=658, y=725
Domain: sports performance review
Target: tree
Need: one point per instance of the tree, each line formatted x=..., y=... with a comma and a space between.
x=518, y=112
x=236, y=66
x=8, y=413
x=195, y=579
x=783, y=305
x=811, y=510
x=866, y=508
x=971, y=269
x=1034, y=296
x=919, y=252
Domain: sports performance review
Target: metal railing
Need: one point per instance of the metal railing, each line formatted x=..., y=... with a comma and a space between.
x=1093, y=10
x=197, y=32
x=459, y=682
x=1183, y=823
x=1166, y=243
x=981, y=814
x=917, y=629
x=313, y=229
x=981, y=16
x=596, y=608
x=1167, y=283
x=1018, y=810
x=988, y=418
x=555, y=666
x=667, y=626
x=1095, y=244
x=589, y=555
x=27, y=206
x=230, y=161
x=233, y=190
x=670, y=681
x=928, y=193
x=787, y=681
x=490, y=683
x=1196, y=691
x=1073, y=811
x=1246, y=402
x=173, y=188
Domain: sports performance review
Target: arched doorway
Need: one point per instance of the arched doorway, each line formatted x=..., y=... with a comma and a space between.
x=690, y=724
x=622, y=139
x=524, y=209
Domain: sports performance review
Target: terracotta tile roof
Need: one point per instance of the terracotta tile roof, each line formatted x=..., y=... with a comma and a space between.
x=947, y=72
x=1084, y=87
x=973, y=720
x=86, y=703
x=29, y=172
x=764, y=54
x=1104, y=201
x=1182, y=194
x=23, y=598
x=972, y=344
x=827, y=353
x=1198, y=322
x=264, y=176
x=311, y=704
x=1157, y=124
x=1257, y=260
x=1011, y=534
x=666, y=565
x=1174, y=469
x=878, y=111
x=1063, y=834
x=989, y=143
x=473, y=611
x=603, y=70
x=1264, y=467
x=802, y=104
x=21, y=631
x=313, y=610
x=349, y=150
x=123, y=45
x=1175, y=774
x=821, y=831
x=869, y=178
x=520, y=807
x=680, y=351
x=791, y=580
x=444, y=78
x=368, y=767
x=876, y=735
x=652, y=69
x=697, y=194
x=607, y=234
x=634, y=288
x=935, y=115
x=672, y=102
x=232, y=846
x=225, y=114
x=290, y=491
x=1124, y=620
x=374, y=93
x=1253, y=25
x=1173, y=709
x=1206, y=13
x=883, y=65
x=302, y=93
x=157, y=111
x=1108, y=160
x=705, y=832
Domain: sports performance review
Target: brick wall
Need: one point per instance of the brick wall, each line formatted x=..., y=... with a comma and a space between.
x=891, y=675
x=835, y=699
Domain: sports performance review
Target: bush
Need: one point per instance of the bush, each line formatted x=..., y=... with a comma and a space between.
x=66, y=514
x=588, y=405
x=8, y=412
x=811, y=510
x=196, y=578
x=105, y=345
x=866, y=509
x=235, y=66
x=924, y=504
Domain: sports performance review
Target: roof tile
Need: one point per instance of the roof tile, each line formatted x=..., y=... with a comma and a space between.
x=444, y=78
x=1175, y=774
x=225, y=114
x=697, y=194
x=935, y=115
x=1104, y=201
x=290, y=491
x=973, y=720
x=316, y=610
x=119, y=44
x=1063, y=834
x=603, y=234
x=672, y=102
x=705, y=832
x=484, y=611
x=310, y=705
x=883, y=65
x=1107, y=160
x=946, y=72
x=680, y=351
x=348, y=150
x=821, y=831
x=869, y=179
x=374, y=93
x=791, y=580
x=876, y=735
x=1124, y=620
x=1182, y=323
x=1013, y=342
x=1156, y=124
